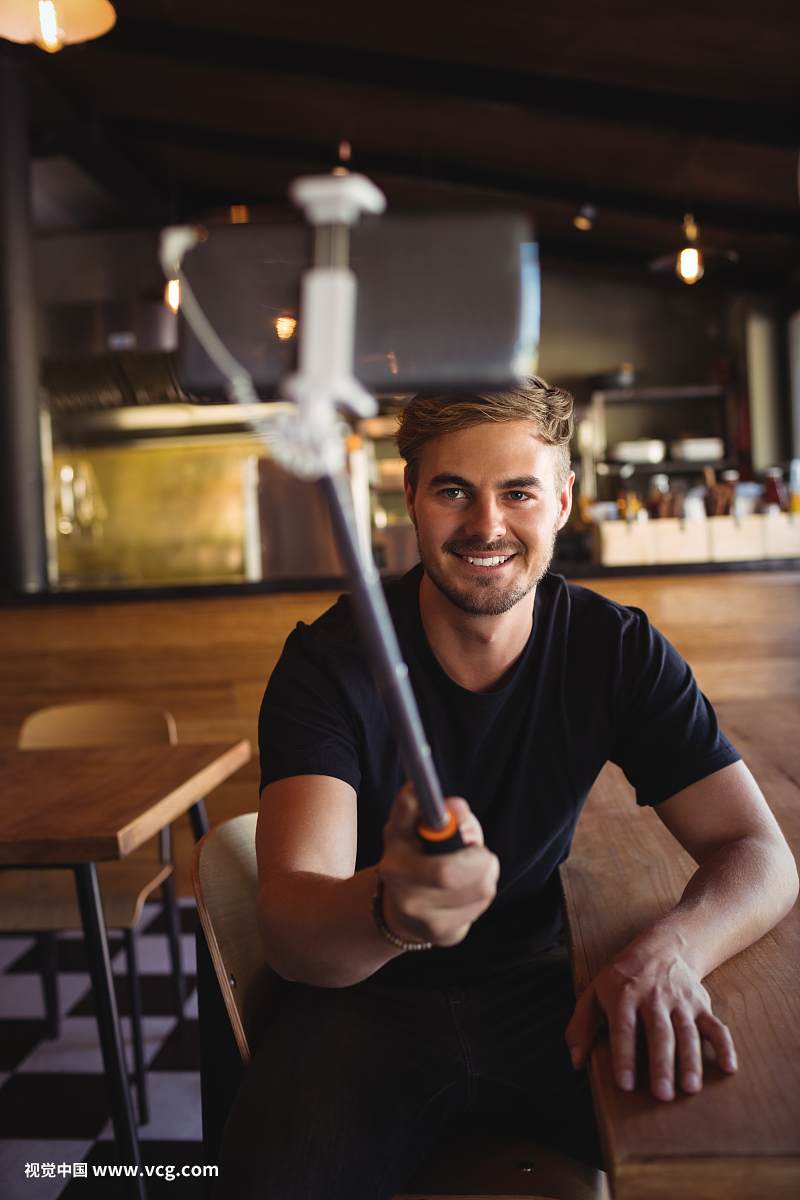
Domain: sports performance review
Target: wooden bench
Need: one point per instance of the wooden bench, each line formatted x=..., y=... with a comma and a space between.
x=739, y=1139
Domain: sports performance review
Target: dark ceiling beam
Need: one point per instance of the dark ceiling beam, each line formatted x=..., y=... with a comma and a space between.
x=56, y=128
x=214, y=175
x=752, y=121
x=456, y=137
x=295, y=155
x=619, y=242
x=728, y=49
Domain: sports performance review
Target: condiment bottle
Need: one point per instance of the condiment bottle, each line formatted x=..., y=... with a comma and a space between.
x=659, y=501
x=775, y=495
x=794, y=486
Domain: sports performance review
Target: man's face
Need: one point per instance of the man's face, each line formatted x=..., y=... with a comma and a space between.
x=487, y=513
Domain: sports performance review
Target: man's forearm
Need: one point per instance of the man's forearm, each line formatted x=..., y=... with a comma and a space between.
x=319, y=930
x=317, y=925
x=736, y=896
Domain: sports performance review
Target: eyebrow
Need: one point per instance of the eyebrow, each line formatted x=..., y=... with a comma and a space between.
x=521, y=481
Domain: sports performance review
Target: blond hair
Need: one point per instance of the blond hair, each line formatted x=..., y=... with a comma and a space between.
x=428, y=416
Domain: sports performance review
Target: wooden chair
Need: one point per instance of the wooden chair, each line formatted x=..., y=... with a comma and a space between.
x=44, y=901
x=235, y=980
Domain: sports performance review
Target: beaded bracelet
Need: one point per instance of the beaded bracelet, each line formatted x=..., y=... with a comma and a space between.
x=383, y=928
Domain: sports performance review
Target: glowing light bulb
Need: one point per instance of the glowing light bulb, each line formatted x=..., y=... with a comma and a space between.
x=690, y=265
x=585, y=218
x=285, y=327
x=172, y=294
x=48, y=23
x=51, y=24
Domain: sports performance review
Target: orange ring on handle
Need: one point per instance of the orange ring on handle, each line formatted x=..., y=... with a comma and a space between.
x=439, y=835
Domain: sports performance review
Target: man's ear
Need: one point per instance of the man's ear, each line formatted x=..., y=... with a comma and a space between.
x=409, y=496
x=565, y=500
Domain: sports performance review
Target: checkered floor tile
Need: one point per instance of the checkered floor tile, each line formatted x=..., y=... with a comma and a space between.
x=54, y=1112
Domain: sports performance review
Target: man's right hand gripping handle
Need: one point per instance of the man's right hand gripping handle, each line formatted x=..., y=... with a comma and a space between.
x=434, y=897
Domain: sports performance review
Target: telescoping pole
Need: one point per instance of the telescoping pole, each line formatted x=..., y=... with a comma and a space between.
x=324, y=377
x=439, y=828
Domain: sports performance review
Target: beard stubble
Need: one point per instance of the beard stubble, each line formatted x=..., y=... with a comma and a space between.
x=490, y=600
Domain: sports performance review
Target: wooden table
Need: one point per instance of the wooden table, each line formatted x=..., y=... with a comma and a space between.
x=78, y=807
x=739, y=1139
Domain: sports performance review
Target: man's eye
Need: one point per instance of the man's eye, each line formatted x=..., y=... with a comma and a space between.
x=452, y=493
x=519, y=496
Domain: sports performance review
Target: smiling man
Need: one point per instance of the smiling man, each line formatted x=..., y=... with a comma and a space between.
x=426, y=986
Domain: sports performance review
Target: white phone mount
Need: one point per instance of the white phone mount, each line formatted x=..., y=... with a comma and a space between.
x=336, y=199
x=308, y=442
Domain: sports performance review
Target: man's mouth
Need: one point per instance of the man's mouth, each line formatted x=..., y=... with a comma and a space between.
x=487, y=562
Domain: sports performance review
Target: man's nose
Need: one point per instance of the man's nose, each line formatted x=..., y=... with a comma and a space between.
x=485, y=520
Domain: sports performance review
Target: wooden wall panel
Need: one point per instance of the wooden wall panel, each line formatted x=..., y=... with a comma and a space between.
x=208, y=660
x=739, y=633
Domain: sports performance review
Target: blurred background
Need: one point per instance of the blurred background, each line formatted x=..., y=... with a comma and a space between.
x=151, y=551
x=628, y=132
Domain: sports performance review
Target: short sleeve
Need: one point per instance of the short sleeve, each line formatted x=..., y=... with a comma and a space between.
x=307, y=725
x=668, y=736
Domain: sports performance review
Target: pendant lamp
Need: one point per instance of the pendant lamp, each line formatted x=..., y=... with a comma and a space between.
x=689, y=263
x=52, y=24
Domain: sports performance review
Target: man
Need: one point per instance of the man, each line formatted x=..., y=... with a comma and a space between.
x=430, y=986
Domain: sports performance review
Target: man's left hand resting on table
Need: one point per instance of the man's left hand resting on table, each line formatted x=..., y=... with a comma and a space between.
x=724, y=822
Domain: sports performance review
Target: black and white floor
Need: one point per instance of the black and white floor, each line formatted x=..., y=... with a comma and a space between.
x=54, y=1110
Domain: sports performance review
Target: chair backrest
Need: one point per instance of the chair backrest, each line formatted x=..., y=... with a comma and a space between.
x=225, y=879
x=97, y=723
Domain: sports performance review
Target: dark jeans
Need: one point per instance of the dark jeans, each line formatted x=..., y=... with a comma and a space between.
x=350, y=1086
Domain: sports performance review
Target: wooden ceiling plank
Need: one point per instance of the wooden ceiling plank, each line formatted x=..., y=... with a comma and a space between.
x=731, y=49
x=495, y=137
x=751, y=121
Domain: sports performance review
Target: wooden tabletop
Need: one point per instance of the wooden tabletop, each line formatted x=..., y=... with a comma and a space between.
x=739, y=1139
x=99, y=804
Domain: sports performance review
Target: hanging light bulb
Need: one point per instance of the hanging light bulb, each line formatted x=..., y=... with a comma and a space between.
x=585, y=218
x=52, y=37
x=689, y=263
x=285, y=327
x=52, y=24
x=172, y=294
x=689, y=266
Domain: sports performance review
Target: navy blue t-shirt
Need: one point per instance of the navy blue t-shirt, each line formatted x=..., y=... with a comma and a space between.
x=595, y=682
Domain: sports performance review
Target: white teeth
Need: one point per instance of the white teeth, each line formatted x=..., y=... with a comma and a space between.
x=489, y=562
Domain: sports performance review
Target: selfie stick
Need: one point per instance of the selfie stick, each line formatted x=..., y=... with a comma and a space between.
x=309, y=443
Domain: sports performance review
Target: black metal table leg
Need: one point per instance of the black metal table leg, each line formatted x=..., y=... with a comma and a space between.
x=48, y=959
x=105, y=1002
x=178, y=980
x=199, y=820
